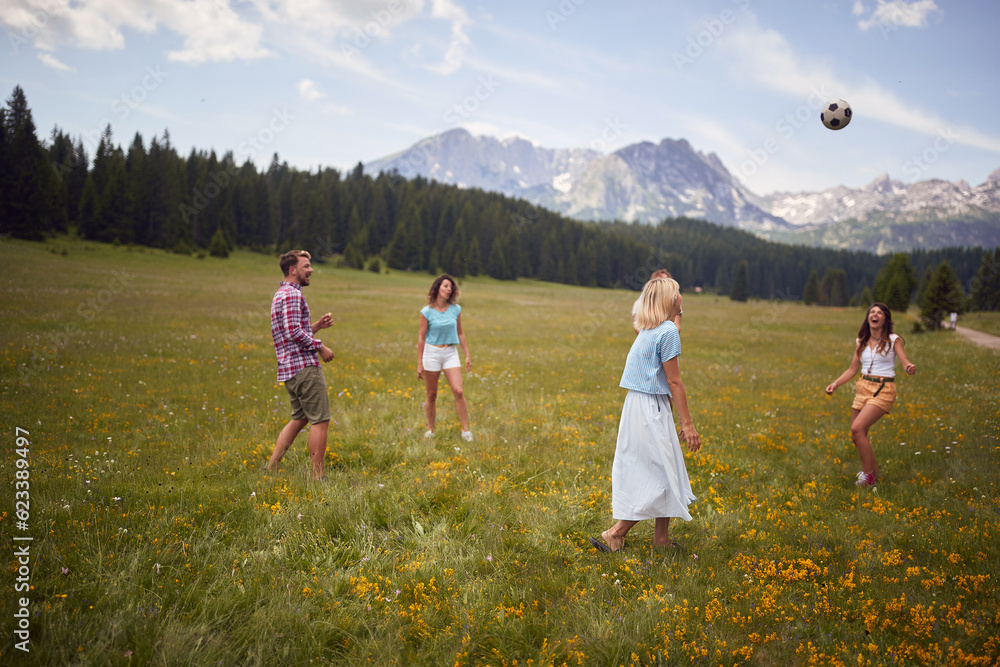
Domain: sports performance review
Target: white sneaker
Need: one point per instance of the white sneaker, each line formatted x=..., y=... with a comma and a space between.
x=865, y=479
x=429, y=434
x=467, y=436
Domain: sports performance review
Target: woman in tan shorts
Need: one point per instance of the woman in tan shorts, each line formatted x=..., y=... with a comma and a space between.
x=875, y=392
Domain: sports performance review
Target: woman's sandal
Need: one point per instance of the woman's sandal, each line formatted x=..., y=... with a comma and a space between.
x=602, y=546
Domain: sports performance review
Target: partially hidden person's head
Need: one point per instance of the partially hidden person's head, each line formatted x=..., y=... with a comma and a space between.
x=658, y=303
x=296, y=267
x=877, y=313
x=449, y=285
x=660, y=273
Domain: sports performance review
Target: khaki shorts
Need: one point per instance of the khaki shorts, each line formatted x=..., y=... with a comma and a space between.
x=865, y=394
x=308, y=393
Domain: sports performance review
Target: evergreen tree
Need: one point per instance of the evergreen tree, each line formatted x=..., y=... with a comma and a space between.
x=61, y=154
x=943, y=296
x=160, y=225
x=115, y=203
x=76, y=180
x=29, y=188
x=895, y=283
x=834, y=287
x=6, y=172
x=587, y=264
x=474, y=265
x=740, y=291
x=89, y=215
x=985, y=286
x=353, y=257
x=498, y=263
x=866, y=299
x=925, y=280
x=218, y=246
x=810, y=293
x=721, y=280
x=433, y=262
x=399, y=249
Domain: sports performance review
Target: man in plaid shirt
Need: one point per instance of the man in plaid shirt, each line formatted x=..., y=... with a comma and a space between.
x=296, y=347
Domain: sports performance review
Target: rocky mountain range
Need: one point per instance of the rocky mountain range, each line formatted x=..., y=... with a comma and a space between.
x=646, y=182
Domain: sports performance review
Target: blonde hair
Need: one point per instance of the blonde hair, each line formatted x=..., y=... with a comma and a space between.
x=658, y=303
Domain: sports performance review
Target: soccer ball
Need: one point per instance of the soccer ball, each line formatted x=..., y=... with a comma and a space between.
x=836, y=114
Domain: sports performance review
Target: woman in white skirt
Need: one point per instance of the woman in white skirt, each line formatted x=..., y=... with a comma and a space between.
x=648, y=478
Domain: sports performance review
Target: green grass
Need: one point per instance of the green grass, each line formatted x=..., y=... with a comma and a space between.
x=146, y=381
x=987, y=322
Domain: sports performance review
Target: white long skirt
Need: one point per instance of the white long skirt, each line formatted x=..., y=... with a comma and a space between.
x=649, y=478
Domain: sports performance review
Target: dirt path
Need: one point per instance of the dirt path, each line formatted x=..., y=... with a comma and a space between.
x=980, y=338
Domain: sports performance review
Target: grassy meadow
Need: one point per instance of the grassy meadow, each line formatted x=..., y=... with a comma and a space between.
x=147, y=384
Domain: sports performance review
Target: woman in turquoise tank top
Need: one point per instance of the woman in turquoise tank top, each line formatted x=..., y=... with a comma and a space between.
x=439, y=335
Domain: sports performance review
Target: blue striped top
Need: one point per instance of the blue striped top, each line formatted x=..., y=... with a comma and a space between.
x=644, y=366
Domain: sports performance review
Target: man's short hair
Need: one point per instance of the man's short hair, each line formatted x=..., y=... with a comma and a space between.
x=290, y=259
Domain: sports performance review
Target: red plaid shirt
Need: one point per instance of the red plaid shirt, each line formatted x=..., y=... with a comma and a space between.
x=291, y=330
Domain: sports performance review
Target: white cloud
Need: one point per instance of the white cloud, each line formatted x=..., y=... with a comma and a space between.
x=212, y=30
x=893, y=14
x=346, y=18
x=54, y=63
x=339, y=109
x=765, y=56
x=447, y=10
x=309, y=91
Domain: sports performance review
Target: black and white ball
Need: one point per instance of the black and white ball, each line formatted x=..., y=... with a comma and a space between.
x=836, y=114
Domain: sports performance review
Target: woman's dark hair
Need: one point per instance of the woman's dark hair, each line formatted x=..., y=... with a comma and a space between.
x=865, y=332
x=432, y=295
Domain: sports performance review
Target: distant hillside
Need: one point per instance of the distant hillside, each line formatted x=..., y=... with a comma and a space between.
x=643, y=182
x=648, y=182
x=888, y=215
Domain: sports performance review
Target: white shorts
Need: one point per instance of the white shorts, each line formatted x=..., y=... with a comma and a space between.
x=437, y=359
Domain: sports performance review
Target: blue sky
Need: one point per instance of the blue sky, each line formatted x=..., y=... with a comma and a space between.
x=335, y=82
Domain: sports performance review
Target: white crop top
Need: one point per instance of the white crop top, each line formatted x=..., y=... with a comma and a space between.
x=882, y=364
